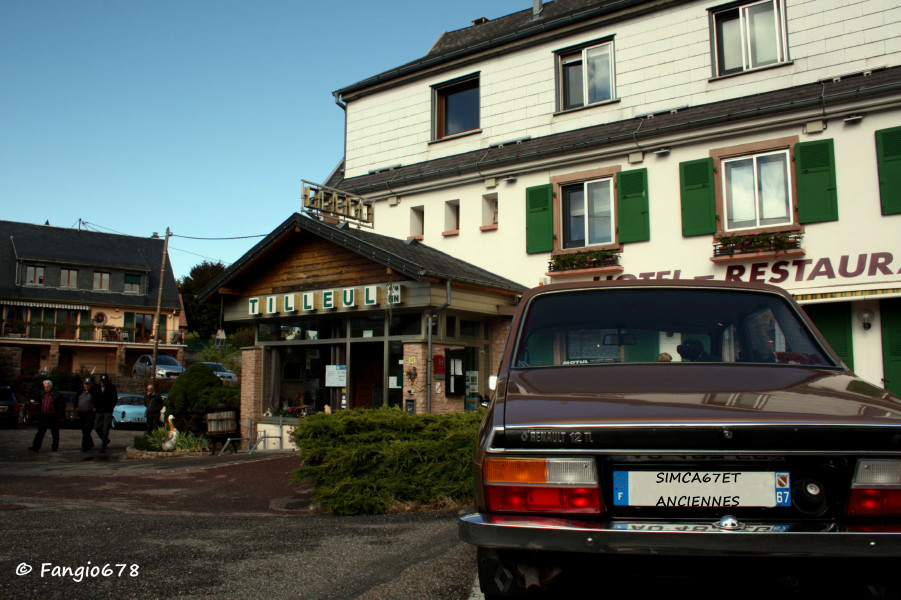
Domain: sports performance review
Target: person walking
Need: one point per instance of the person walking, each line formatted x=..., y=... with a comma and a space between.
x=154, y=403
x=53, y=411
x=85, y=406
x=105, y=402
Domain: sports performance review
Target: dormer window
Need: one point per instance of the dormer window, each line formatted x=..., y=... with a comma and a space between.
x=132, y=283
x=585, y=75
x=101, y=281
x=34, y=275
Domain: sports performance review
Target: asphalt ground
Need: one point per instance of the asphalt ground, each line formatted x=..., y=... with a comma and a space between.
x=92, y=525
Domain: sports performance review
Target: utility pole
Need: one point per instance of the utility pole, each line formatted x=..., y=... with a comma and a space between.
x=159, y=302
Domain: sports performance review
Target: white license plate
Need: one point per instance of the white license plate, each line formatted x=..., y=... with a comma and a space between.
x=701, y=489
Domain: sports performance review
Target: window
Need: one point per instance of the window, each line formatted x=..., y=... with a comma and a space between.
x=34, y=275
x=585, y=76
x=754, y=187
x=452, y=217
x=588, y=208
x=101, y=281
x=417, y=222
x=68, y=278
x=132, y=283
x=756, y=191
x=587, y=213
x=748, y=36
x=456, y=106
x=489, y=212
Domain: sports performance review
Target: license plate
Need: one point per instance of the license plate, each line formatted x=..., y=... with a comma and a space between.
x=694, y=527
x=701, y=489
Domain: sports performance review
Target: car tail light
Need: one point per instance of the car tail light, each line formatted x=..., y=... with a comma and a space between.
x=876, y=488
x=550, y=485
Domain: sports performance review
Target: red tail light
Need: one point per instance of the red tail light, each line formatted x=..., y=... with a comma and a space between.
x=876, y=489
x=874, y=501
x=547, y=485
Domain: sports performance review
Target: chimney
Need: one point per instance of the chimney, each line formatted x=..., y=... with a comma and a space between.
x=480, y=21
x=536, y=9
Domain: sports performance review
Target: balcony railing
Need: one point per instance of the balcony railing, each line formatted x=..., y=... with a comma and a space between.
x=84, y=333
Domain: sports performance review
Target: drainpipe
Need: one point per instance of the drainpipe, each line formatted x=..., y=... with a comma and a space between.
x=428, y=370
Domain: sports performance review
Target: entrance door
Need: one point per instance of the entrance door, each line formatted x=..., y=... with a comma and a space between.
x=365, y=375
x=890, y=314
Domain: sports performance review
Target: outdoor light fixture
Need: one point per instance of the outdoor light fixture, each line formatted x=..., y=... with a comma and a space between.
x=661, y=151
x=866, y=318
x=853, y=119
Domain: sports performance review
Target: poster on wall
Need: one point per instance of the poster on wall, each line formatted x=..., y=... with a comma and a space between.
x=336, y=376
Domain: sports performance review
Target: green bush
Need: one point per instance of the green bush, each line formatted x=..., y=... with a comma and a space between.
x=194, y=394
x=369, y=461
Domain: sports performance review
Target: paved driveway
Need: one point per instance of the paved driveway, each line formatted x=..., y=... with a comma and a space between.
x=235, y=526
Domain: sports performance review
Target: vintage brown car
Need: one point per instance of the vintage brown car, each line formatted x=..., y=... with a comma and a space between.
x=637, y=423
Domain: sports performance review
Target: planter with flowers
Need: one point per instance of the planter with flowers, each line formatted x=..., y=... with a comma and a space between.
x=757, y=245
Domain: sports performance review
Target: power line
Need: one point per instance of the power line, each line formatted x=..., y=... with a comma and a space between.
x=242, y=237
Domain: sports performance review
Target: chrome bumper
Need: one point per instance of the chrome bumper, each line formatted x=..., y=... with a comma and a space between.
x=698, y=539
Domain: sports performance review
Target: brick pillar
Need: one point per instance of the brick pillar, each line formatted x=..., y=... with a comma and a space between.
x=53, y=357
x=251, y=391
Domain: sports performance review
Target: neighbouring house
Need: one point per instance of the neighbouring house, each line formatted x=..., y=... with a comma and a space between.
x=83, y=301
x=749, y=140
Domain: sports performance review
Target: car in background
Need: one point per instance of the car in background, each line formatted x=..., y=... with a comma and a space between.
x=661, y=426
x=220, y=371
x=32, y=410
x=129, y=411
x=9, y=407
x=166, y=367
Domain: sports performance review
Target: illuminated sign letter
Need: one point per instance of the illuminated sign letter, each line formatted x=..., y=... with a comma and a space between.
x=349, y=298
x=289, y=302
x=328, y=299
x=371, y=295
x=254, y=306
x=309, y=301
x=271, y=305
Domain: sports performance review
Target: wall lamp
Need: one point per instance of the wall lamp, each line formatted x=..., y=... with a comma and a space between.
x=866, y=318
x=853, y=118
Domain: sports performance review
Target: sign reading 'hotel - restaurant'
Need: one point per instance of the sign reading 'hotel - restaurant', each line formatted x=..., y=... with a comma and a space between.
x=370, y=296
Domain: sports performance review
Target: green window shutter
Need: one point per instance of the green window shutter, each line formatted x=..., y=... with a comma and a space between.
x=85, y=326
x=890, y=316
x=129, y=320
x=633, y=223
x=646, y=347
x=888, y=159
x=539, y=219
x=834, y=322
x=698, y=200
x=815, y=170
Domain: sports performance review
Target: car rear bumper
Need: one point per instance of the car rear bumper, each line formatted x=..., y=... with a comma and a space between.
x=821, y=539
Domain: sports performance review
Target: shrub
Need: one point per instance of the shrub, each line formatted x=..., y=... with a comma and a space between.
x=365, y=461
x=153, y=441
x=192, y=396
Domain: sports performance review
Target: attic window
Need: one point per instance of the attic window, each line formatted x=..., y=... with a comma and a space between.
x=456, y=106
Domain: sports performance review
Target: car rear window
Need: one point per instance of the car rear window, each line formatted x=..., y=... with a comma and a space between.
x=601, y=326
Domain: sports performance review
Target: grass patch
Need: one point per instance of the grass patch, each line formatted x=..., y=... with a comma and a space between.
x=373, y=461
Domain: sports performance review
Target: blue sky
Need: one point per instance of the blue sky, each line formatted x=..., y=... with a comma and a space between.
x=198, y=115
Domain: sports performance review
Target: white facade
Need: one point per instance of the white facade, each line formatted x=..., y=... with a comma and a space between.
x=664, y=64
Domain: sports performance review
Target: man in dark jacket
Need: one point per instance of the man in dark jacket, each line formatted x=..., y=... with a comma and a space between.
x=107, y=398
x=85, y=405
x=53, y=411
x=154, y=403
